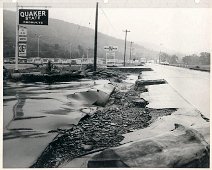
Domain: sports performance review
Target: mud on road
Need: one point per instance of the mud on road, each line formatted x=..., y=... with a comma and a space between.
x=124, y=113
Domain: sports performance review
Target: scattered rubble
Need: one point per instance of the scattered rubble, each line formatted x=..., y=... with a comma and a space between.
x=124, y=113
x=101, y=130
x=131, y=70
x=181, y=148
x=65, y=76
x=140, y=102
x=57, y=77
x=142, y=83
x=106, y=74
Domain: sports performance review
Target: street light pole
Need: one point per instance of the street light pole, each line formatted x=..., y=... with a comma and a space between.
x=125, y=44
x=38, y=44
x=130, y=49
x=16, y=45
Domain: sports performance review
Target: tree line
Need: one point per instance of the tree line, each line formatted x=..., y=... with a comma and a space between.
x=202, y=59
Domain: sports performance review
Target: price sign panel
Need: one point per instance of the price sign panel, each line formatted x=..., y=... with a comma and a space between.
x=22, y=31
x=22, y=34
x=22, y=49
x=22, y=39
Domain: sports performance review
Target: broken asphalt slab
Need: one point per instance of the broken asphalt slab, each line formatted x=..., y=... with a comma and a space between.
x=180, y=148
x=23, y=146
x=180, y=140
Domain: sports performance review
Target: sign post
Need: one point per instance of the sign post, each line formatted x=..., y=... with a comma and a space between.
x=110, y=54
x=26, y=17
x=22, y=40
x=110, y=58
x=110, y=48
x=16, y=38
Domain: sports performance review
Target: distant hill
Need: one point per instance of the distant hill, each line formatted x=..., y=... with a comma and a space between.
x=161, y=48
x=65, y=40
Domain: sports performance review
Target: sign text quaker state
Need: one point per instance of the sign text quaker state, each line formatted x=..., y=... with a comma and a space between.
x=33, y=17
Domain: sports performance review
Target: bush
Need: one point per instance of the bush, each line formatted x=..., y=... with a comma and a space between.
x=49, y=67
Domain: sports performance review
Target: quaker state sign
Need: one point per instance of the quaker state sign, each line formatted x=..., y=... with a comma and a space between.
x=33, y=16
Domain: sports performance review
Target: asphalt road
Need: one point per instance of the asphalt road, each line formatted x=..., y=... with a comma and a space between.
x=192, y=85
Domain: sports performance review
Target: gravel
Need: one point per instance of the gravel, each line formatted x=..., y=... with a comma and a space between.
x=125, y=112
x=103, y=129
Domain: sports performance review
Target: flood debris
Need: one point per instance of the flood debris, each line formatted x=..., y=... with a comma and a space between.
x=57, y=77
x=113, y=160
x=140, y=102
x=98, y=95
x=50, y=75
x=103, y=129
x=181, y=148
x=106, y=74
x=131, y=69
x=141, y=82
x=112, y=117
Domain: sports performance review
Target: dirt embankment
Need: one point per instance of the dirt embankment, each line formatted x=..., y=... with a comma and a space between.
x=124, y=113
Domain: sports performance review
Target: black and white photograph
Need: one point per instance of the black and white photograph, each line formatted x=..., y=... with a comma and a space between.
x=106, y=83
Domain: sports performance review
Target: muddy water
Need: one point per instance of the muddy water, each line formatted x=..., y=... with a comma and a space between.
x=32, y=110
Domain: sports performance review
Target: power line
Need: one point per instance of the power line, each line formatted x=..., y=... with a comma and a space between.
x=78, y=28
x=107, y=18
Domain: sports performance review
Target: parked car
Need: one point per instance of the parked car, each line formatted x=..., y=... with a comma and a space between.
x=45, y=60
x=38, y=60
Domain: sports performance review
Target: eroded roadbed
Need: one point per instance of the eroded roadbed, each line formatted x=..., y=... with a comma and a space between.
x=119, y=117
x=103, y=129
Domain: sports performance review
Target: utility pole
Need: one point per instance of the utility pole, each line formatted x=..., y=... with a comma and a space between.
x=130, y=49
x=126, y=31
x=95, y=40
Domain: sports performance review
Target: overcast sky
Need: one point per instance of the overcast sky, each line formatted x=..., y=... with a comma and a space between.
x=185, y=30
x=181, y=29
